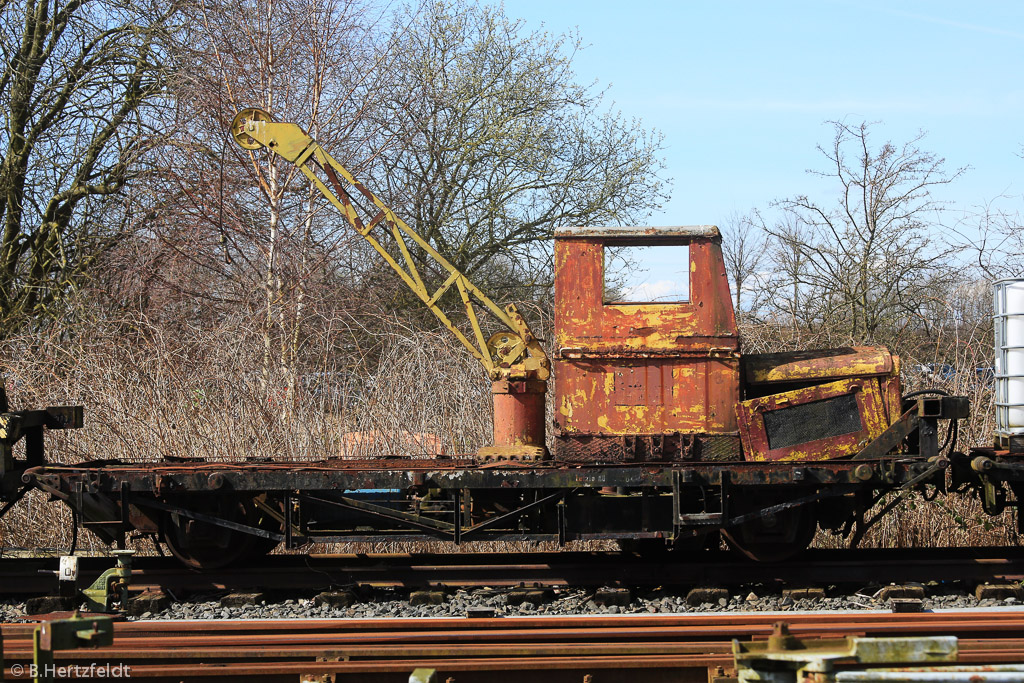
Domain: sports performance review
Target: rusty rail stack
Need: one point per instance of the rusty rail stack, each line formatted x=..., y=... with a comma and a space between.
x=646, y=648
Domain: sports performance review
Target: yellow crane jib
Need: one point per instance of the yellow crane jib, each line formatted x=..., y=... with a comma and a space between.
x=514, y=360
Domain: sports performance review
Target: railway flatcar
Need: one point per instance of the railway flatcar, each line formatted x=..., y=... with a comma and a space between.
x=666, y=436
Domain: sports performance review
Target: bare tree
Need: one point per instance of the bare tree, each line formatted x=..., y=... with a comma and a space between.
x=994, y=235
x=743, y=247
x=872, y=253
x=486, y=149
x=488, y=143
x=78, y=77
x=249, y=221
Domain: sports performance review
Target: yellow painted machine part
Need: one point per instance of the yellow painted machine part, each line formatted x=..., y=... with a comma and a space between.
x=522, y=358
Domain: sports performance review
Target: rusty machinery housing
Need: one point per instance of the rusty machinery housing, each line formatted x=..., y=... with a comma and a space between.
x=640, y=381
x=665, y=435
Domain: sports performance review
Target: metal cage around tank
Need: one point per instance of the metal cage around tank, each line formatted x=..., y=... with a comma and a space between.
x=1009, y=364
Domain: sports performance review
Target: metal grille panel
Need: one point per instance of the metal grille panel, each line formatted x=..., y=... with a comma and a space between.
x=794, y=425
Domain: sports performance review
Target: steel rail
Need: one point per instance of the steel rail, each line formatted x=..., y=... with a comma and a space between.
x=705, y=626
x=1007, y=648
x=21, y=576
x=755, y=621
x=647, y=648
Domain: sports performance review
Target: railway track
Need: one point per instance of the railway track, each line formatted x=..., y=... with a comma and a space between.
x=645, y=648
x=33, y=576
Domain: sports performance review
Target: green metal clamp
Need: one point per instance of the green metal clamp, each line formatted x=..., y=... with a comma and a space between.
x=67, y=634
x=784, y=658
x=112, y=585
x=423, y=675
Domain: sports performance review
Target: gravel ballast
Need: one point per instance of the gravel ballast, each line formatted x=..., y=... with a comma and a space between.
x=462, y=603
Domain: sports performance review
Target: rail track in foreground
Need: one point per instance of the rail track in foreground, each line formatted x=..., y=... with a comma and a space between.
x=644, y=648
x=296, y=573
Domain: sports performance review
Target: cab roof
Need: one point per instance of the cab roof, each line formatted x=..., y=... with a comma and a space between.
x=615, y=231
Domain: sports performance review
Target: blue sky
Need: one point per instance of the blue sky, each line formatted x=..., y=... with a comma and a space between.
x=741, y=90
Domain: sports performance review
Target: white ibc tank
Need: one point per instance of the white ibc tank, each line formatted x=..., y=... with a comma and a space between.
x=1009, y=320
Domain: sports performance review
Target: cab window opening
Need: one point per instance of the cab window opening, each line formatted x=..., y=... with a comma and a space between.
x=647, y=274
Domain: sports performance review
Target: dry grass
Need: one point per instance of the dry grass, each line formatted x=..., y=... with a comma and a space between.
x=151, y=396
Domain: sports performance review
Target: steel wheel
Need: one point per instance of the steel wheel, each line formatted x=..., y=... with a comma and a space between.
x=202, y=545
x=773, y=537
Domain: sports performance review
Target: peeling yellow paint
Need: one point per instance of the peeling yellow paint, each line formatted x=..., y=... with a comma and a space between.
x=870, y=406
x=565, y=407
x=644, y=368
x=864, y=361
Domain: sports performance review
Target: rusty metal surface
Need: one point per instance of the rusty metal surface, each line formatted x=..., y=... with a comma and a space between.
x=894, y=434
x=584, y=322
x=645, y=231
x=374, y=500
x=643, y=369
x=668, y=448
x=402, y=474
x=868, y=422
x=519, y=419
x=640, y=648
x=892, y=390
x=801, y=366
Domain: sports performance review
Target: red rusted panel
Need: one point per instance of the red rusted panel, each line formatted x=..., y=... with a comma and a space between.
x=844, y=430
x=643, y=369
x=892, y=389
x=818, y=365
x=646, y=396
x=518, y=413
x=795, y=368
x=583, y=322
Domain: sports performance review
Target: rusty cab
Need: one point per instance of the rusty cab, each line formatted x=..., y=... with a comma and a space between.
x=651, y=371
